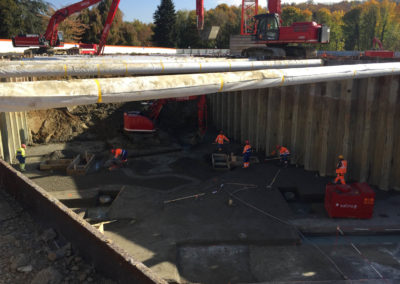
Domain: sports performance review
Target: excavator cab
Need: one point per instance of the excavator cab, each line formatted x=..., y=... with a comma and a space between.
x=267, y=27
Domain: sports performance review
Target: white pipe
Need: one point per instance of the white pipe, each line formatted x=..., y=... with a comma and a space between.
x=51, y=94
x=129, y=69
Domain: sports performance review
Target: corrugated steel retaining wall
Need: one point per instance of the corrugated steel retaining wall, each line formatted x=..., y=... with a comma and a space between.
x=357, y=118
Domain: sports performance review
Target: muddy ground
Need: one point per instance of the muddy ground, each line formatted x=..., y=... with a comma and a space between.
x=232, y=227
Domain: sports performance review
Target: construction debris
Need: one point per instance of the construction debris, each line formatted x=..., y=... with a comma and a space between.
x=80, y=165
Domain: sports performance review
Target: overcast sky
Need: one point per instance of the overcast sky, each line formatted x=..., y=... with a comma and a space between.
x=143, y=10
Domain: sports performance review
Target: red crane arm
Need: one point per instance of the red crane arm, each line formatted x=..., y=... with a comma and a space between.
x=107, y=25
x=200, y=14
x=274, y=7
x=60, y=15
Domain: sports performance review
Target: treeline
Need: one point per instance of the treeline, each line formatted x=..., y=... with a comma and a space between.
x=353, y=24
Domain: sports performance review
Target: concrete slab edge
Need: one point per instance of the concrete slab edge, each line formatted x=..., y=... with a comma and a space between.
x=107, y=258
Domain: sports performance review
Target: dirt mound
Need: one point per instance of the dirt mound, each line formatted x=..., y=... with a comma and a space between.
x=105, y=122
x=78, y=123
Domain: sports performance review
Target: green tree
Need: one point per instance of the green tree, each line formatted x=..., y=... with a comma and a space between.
x=323, y=16
x=228, y=19
x=114, y=36
x=21, y=16
x=336, y=26
x=8, y=13
x=290, y=15
x=370, y=16
x=186, y=30
x=164, y=24
x=351, y=29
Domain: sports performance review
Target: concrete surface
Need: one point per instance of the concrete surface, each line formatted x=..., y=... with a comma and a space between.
x=206, y=240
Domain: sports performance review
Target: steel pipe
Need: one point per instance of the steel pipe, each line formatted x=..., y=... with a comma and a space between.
x=129, y=69
x=51, y=94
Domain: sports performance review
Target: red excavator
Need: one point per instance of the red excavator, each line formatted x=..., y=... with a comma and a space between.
x=378, y=52
x=53, y=38
x=136, y=122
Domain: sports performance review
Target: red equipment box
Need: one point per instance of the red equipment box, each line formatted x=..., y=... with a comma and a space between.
x=349, y=200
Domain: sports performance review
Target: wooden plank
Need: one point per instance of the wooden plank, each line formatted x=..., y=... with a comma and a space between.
x=281, y=116
x=325, y=125
x=60, y=164
x=295, y=123
x=237, y=116
x=262, y=104
x=395, y=170
x=387, y=151
x=366, y=134
x=244, y=119
x=252, y=121
x=308, y=129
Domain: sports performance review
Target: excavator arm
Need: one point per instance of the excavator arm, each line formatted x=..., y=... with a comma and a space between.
x=51, y=34
x=51, y=37
x=107, y=26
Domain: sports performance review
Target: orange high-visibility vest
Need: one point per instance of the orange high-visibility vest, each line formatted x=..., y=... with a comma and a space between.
x=284, y=150
x=246, y=149
x=117, y=152
x=341, y=167
x=220, y=139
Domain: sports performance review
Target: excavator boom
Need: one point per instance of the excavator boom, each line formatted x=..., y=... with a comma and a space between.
x=52, y=38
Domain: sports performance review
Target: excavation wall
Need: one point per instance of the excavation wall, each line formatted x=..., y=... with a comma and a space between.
x=359, y=118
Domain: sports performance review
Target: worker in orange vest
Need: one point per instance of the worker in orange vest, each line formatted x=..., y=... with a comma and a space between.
x=246, y=154
x=120, y=157
x=341, y=170
x=220, y=140
x=283, y=154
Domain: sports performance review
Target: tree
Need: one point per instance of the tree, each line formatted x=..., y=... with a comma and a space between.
x=72, y=28
x=164, y=24
x=21, y=16
x=186, y=30
x=8, y=13
x=336, y=26
x=370, y=16
x=290, y=15
x=351, y=29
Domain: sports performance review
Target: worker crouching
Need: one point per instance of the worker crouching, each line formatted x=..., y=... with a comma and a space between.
x=20, y=155
x=341, y=169
x=120, y=157
x=246, y=154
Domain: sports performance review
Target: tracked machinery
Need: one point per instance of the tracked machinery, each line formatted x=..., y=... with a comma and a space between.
x=269, y=39
x=45, y=43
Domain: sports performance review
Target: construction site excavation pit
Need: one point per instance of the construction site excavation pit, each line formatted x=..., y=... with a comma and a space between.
x=172, y=209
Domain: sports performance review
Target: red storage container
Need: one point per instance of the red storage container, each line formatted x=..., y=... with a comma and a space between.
x=349, y=200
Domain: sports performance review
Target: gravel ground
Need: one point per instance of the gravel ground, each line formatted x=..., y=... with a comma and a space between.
x=32, y=254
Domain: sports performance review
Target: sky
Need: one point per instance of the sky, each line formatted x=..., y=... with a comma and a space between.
x=143, y=10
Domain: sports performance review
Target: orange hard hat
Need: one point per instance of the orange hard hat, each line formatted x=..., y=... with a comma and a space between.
x=23, y=145
x=341, y=157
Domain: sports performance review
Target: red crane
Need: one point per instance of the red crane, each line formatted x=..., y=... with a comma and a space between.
x=268, y=30
x=53, y=38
